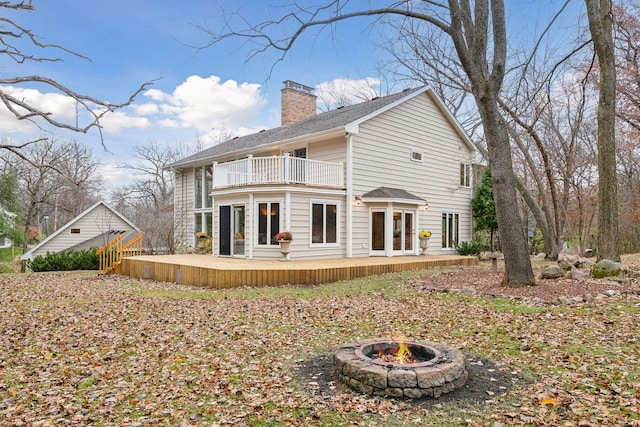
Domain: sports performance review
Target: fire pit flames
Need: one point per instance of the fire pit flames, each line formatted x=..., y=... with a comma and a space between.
x=400, y=354
x=399, y=368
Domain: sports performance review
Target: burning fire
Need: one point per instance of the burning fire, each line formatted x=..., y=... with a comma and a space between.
x=400, y=354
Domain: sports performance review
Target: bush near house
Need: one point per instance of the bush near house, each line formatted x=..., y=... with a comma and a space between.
x=469, y=248
x=66, y=261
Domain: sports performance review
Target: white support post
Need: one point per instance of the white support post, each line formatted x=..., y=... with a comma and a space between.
x=349, y=197
x=249, y=168
x=287, y=165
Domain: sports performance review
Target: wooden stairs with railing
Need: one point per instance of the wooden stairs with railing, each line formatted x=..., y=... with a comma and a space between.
x=110, y=255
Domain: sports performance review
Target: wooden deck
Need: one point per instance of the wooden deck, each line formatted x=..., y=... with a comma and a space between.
x=209, y=271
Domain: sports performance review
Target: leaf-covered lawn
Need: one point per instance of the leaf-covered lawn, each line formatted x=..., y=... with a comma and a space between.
x=76, y=349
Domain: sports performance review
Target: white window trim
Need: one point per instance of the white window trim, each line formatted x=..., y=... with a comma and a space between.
x=468, y=174
x=338, y=225
x=446, y=234
x=421, y=153
x=256, y=205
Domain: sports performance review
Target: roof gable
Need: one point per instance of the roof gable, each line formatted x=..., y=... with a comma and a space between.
x=29, y=254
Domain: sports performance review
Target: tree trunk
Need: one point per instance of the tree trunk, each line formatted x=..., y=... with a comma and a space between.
x=518, y=270
x=600, y=24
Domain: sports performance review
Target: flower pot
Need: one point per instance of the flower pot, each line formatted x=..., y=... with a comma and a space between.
x=424, y=244
x=284, y=249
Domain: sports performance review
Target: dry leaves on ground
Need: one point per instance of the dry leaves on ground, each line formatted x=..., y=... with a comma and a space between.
x=77, y=349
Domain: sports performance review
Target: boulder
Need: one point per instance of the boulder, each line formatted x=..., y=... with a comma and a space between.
x=565, y=265
x=607, y=268
x=569, y=256
x=579, y=274
x=552, y=272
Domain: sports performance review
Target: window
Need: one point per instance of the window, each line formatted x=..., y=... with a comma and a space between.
x=416, y=155
x=465, y=175
x=450, y=230
x=197, y=188
x=75, y=231
x=268, y=223
x=202, y=183
x=208, y=184
x=324, y=223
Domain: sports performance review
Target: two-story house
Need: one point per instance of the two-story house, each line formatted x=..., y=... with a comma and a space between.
x=358, y=181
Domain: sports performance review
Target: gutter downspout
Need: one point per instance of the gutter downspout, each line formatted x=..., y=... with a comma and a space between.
x=349, y=195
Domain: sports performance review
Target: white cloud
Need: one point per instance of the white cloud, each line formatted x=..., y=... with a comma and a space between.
x=63, y=109
x=343, y=91
x=146, y=109
x=207, y=103
x=116, y=121
x=113, y=175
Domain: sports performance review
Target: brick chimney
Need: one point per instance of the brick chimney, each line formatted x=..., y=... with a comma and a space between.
x=298, y=102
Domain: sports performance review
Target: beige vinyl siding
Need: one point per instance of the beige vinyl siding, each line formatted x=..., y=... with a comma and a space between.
x=99, y=221
x=183, y=208
x=382, y=157
x=332, y=150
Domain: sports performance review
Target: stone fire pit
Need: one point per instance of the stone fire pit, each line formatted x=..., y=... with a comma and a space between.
x=434, y=369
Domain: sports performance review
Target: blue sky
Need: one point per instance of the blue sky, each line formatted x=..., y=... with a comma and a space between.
x=198, y=93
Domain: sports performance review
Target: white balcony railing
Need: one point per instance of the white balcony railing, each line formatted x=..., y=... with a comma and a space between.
x=277, y=170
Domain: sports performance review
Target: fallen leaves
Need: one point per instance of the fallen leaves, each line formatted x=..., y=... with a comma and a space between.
x=82, y=350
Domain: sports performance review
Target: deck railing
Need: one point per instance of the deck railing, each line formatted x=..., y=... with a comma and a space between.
x=110, y=255
x=278, y=170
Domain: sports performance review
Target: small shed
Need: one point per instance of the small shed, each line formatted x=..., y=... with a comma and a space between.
x=94, y=227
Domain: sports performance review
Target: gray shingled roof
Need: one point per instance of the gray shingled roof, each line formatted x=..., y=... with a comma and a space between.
x=391, y=193
x=314, y=124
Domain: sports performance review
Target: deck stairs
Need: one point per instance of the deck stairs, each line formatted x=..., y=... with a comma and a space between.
x=110, y=255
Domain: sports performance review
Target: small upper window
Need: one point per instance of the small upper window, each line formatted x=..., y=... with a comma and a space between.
x=75, y=231
x=416, y=155
x=465, y=175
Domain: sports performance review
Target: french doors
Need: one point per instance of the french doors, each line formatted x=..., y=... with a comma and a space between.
x=232, y=230
x=392, y=232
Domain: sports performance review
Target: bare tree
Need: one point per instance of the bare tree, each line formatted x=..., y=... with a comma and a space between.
x=600, y=14
x=479, y=35
x=148, y=200
x=20, y=45
x=53, y=178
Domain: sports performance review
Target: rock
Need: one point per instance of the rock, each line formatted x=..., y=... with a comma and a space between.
x=541, y=256
x=564, y=300
x=552, y=272
x=469, y=290
x=565, y=265
x=569, y=256
x=579, y=274
x=611, y=293
x=606, y=268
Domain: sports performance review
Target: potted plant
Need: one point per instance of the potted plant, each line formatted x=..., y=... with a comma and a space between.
x=201, y=238
x=284, y=238
x=424, y=237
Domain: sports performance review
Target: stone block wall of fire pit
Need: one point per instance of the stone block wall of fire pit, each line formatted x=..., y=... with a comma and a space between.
x=401, y=381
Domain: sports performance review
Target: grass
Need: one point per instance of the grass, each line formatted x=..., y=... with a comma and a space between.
x=128, y=352
x=8, y=262
x=385, y=285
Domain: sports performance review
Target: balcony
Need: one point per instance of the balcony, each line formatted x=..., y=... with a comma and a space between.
x=277, y=170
